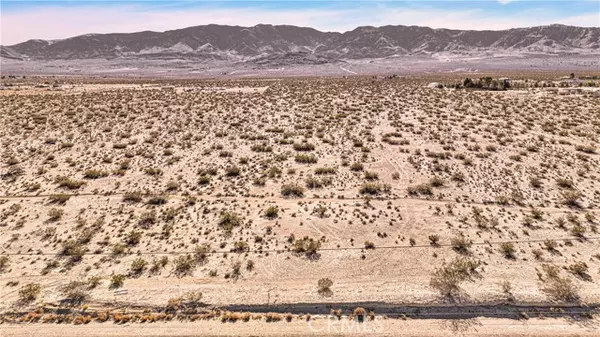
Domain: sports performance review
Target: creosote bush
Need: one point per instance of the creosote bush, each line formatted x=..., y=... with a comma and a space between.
x=29, y=292
x=324, y=286
x=292, y=190
x=448, y=278
x=307, y=246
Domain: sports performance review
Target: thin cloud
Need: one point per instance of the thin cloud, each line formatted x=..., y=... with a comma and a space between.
x=63, y=22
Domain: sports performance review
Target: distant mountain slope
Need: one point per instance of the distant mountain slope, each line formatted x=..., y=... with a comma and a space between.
x=242, y=43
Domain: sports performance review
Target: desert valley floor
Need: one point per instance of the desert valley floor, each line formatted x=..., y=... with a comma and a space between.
x=258, y=197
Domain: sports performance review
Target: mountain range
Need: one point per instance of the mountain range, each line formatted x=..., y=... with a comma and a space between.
x=262, y=43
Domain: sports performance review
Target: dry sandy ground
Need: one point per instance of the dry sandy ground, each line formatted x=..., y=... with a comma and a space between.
x=102, y=180
x=321, y=327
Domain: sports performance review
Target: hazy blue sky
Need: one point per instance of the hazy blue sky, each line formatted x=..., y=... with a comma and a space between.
x=23, y=20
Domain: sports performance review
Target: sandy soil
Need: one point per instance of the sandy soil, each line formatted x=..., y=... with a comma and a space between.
x=165, y=185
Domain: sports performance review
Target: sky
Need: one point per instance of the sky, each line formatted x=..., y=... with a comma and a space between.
x=48, y=19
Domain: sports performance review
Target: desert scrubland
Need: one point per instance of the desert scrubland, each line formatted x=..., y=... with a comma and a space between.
x=241, y=200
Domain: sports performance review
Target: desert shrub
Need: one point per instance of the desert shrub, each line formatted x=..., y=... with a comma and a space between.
x=273, y=172
x=292, y=190
x=459, y=177
x=147, y=219
x=461, y=244
x=535, y=182
x=229, y=220
x=419, y=189
x=272, y=212
x=209, y=171
x=184, y=265
x=448, y=278
x=133, y=197
x=133, y=238
x=578, y=230
x=76, y=291
x=261, y=148
x=374, y=188
x=324, y=170
x=307, y=246
x=369, y=245
x=565, y=183
x=437, y=182
x=434, y=239
x=29, y=292
x=561, y=289
x=59, y=199
x=157, y=200
x=55, y=214
x=69, y=183
x=586, y=148
x=240, y=247
x=260, y=181
x=201, y=253
x=116, y=281
x=303, y=147
x=508, y=250
x=356, y=167
x=550, y=245
x=571, y=198
x=236, y=270
x=558, y=288
x=95, y=174
x=172, y=186
x=137, y=267
x=152, y=171
x=204, y=180
x=73, y=249
x=232, y=171
x=324, y=286
x=579, y=269
x=306, y=158
x=371, y=175
x=4, y=263
x=158, y=264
